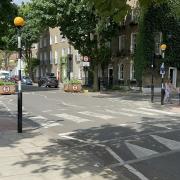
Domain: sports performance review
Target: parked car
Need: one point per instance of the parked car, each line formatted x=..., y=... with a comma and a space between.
x=48, y=81
x=26, y=80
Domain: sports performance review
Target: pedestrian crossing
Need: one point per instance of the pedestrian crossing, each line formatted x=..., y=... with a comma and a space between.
x=106, y=114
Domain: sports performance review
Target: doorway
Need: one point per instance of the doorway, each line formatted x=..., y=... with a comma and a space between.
x=110, y=77
x=173, y=75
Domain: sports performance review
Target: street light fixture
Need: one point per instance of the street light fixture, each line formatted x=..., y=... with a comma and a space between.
x=162, y=72
x=19, y=23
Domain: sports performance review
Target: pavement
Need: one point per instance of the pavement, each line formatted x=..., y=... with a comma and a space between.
x=33, y=155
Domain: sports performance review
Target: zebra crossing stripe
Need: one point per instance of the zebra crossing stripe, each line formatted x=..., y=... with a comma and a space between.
x=98, y=115
x=120, y=113
x=38, y=117
x=157, y=111
x=140, y=152
x=72, y=118
x=139, y=112
x=171, y=144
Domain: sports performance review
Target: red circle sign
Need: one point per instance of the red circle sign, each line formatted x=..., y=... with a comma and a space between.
x=75, y=87
x=6, y=89
x=86, y=58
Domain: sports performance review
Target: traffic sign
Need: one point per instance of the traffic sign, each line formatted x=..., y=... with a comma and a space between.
x=86, y=59
x=75, y=87
x=86, y=64
x=6, y=89
x=162, y=69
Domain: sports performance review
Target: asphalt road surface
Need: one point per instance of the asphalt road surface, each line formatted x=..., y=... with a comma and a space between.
x=127, y=135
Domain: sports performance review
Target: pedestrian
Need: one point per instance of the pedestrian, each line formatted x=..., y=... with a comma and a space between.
x=168, y=91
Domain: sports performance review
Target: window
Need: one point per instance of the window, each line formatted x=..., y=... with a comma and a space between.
x=63, y=39
x=121, y=72
x=51, y=58
x=41, y=56
x=55, y=39
x=134, y=15
x=40, y=43
x=68, y=50
x=63, y=52
x=50, y=40
x=45, y=42
x=45, y=56
x=122, y=42
x=133, y=43
x=158, y=41
x=132, y=71
x=56, y=57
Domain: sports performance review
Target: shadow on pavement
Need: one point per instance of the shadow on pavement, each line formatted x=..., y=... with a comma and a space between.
x=84, y=152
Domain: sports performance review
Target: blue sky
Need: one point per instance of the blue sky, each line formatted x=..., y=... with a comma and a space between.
x=20, y=1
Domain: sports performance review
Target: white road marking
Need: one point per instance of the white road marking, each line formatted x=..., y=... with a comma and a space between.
x=157, y=111
x=25, y=113
x=48, y=125
x=119, y=112
x=139, y=151
x=72, y=118
x=138, y=112
x=66, y=134
x=70, y=105
x=98, y=115
x=171, y=144
x=112, y=153
x=162, y=125
x=38, y=117
x=47, y=110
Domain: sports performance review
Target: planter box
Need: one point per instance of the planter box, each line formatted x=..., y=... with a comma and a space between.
x=7, y=89
x=72, y=87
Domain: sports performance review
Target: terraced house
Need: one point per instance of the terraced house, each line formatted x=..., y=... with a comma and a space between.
x=58, y=56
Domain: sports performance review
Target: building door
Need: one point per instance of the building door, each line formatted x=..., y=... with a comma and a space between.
x=173, y=75
x=110, y=77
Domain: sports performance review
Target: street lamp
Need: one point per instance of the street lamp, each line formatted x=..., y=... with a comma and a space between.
x=19, y=23
x=162, y=72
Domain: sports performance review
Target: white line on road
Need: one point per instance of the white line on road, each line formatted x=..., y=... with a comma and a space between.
x=38, y=117
x=112, y=153
x=138, y=112
x=119, y=112
x=47, y=110
x=171, y=144
x=72, y=118
x=98, y=115
x=157, y=111
x=139, y=151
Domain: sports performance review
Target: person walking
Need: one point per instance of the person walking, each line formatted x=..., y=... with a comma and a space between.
x=168, y=92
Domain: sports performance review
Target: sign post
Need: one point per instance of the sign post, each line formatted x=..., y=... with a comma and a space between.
x=162, y=72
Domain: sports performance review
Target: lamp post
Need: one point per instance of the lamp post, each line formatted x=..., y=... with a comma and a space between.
x=19, y=23
x=162, y=72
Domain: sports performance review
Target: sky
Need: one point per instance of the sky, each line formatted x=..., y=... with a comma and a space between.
x=20, y=1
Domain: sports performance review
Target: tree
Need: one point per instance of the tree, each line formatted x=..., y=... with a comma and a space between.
x=78, y=21
x=30, y=34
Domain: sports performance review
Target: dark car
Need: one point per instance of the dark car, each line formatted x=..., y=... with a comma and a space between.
x=48, y=81
x=26, y=80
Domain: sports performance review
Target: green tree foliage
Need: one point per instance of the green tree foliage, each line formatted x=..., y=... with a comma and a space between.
x=30, y=33
x=78, y=21
x=8, y=11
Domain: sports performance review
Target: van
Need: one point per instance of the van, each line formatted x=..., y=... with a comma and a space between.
x=4, y=74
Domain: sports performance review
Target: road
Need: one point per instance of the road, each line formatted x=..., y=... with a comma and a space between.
x=126, y=135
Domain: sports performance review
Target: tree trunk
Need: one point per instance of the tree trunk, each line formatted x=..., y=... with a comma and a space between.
x=95, y=79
